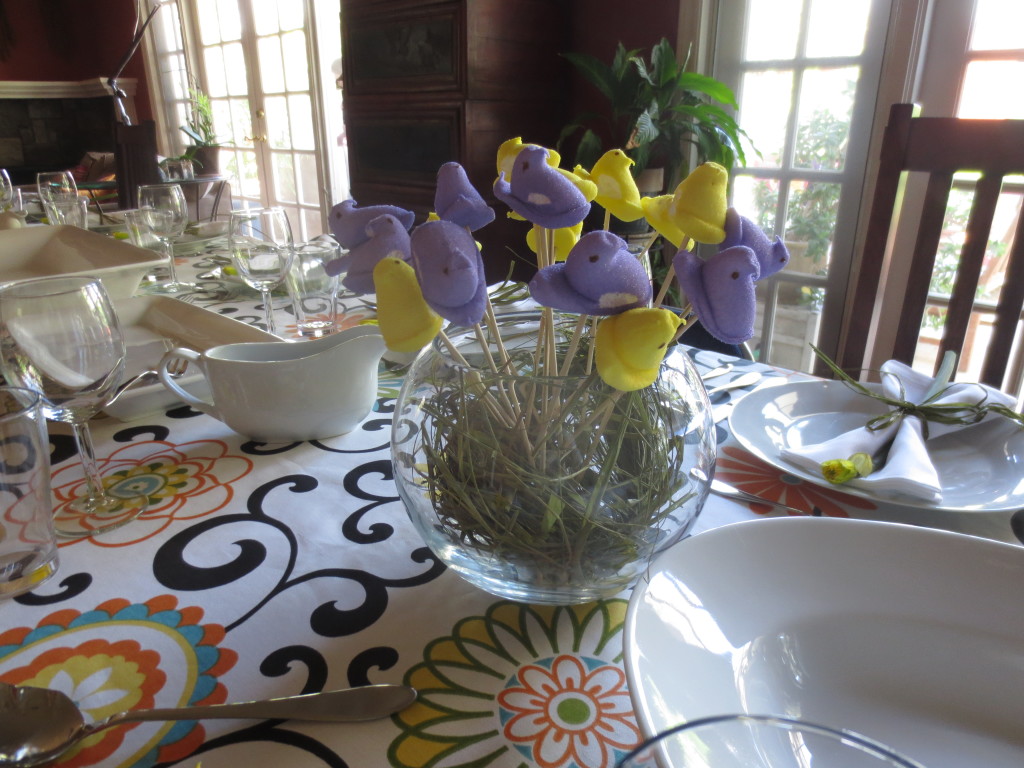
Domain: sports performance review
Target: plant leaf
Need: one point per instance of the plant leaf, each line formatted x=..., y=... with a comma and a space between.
x=717, y=90
x=599, y=74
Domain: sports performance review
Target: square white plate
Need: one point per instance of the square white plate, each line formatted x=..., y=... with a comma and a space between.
x=154, y=324
x=33, y=252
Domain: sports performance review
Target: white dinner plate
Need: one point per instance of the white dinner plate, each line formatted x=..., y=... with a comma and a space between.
x=981, y=469
x=154, y=324
x=911, y=636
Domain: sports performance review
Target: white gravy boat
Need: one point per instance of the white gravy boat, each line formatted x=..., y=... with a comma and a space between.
x=287, y=391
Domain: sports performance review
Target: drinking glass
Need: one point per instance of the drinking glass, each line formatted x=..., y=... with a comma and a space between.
x=28, y=547
x=56, y=185
x=314, y=293
x=60, y=336
x=166, y=213
x=69, y=211
x=6, y=190
x=262, y=251
x=761, y=741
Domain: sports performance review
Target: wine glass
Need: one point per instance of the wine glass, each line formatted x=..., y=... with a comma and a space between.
x=56, y=185
x=6, y=190
x=60, y=336
x=262, y=251
x=166, y=213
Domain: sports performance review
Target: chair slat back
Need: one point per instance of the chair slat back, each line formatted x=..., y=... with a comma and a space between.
x=939, y=147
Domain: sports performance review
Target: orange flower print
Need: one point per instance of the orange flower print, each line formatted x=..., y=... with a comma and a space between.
x=116, y=657
x=755, y=476
x=200, y=473
x=568, y=715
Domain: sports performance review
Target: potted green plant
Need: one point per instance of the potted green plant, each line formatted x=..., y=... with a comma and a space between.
x=204, y=148
x=656, y=111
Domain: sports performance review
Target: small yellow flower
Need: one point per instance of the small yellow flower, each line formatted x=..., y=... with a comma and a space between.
x=838, y=471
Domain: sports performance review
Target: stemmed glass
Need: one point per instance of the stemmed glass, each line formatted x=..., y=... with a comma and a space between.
x=56, y=185
x=60, y=336
x=262, y=251
x=166, y=213
x=6, y=190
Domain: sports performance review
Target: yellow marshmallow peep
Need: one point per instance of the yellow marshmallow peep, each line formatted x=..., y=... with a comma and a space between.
x=406, y=321
x=630, y=346
x=657, y=211
x=699, y=203
x=616, y=188
x=565, y=239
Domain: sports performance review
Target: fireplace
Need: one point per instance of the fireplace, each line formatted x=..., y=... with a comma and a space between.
x=48, y=126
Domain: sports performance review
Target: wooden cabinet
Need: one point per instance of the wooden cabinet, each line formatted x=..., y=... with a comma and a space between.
x=430, y=82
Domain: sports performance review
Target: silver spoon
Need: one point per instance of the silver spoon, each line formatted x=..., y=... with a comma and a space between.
x=725, y=490
x=746, y=380
x=719, y=371
x=38, y=725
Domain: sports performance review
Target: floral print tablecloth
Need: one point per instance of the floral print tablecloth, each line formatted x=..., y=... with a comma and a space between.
x=264, y=570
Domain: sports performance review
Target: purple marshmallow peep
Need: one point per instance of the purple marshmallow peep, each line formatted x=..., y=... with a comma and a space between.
x=541, y=194
x=721, y=290
x=450, y=271
x=387, y=238
x=598, y=277
x=348, y=223
x=739, y=230
x=457, y=201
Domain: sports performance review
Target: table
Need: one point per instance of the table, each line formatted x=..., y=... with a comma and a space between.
x=266, y=570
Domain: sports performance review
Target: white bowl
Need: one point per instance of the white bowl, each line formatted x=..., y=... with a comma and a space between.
x=34, y=252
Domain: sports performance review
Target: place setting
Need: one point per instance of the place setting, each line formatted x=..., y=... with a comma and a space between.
x=542, y=479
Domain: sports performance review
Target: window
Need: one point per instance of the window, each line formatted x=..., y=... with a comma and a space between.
x=806, y=77
x=269, y=70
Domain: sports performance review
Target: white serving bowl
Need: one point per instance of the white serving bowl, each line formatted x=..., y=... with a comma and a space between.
x=33, y=252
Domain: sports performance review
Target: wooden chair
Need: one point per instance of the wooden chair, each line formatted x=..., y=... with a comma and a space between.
x=135, y=153
x=939, y=147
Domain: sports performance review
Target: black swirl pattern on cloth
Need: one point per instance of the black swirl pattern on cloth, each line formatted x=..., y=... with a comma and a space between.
x=172, y=569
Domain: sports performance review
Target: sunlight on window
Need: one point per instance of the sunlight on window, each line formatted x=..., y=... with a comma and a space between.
x=837, y=29
x=984, y=93
x=772, y=29
x=766, y=100
x=997, y=25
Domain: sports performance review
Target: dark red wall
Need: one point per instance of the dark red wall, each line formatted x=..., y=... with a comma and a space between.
x=72, y=40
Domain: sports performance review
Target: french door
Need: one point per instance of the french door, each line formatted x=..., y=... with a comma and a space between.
x=253, y=60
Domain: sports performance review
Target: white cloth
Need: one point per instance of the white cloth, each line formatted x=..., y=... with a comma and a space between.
x=908, y=470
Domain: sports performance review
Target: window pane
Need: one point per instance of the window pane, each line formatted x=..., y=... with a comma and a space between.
x=296, y=67
x=271, y=74
x=811, y=219
x=308, y=187
x=243, y=167
x=826, y=105
x=771, y=30
x=766, y=102
x=997, y=25
x=757, y=199
x=241, y=121
x=225, y=24
x=278, y=122
x=301, y=112
x=265, y=16
x=284, y=177
x=216, y=83
x=837, y=29
x=985, y=94
x=291, y=15
x=234, y=63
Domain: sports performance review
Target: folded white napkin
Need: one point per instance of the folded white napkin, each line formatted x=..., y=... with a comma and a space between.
x=908, y=470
